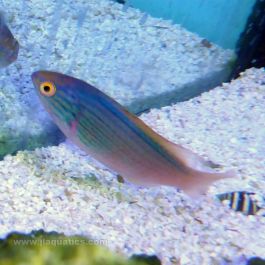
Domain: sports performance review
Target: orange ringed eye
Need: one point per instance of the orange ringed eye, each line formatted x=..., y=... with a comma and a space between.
x=47, y=89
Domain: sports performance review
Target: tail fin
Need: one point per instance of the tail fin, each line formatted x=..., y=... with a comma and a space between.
x=198, y=181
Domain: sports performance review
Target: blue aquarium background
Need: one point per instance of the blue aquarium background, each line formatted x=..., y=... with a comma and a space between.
x=219, y=21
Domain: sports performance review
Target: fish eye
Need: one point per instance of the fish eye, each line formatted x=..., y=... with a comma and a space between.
x=47, y=89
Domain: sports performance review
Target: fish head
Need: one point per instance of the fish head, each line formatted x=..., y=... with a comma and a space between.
x=9, y=46
x=62, y=96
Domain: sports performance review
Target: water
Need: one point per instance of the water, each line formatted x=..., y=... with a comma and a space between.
x=146, y=55
x=140, y=61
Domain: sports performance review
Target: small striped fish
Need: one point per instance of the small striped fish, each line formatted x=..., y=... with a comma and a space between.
x=240, y=201
x=108, y=132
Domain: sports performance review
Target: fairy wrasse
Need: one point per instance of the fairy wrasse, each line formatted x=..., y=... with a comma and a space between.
x=108, y=132
x=8, y=45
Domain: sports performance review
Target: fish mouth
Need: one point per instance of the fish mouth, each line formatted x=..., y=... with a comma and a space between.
x=35, y=77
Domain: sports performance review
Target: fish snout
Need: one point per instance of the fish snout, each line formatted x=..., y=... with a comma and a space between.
x=35, y=77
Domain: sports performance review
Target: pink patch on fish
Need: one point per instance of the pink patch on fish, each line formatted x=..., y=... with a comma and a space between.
x=73, y=126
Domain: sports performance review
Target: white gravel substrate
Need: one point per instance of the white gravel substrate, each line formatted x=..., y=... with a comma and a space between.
x=61, y=189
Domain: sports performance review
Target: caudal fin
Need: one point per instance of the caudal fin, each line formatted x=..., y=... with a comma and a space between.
x=198, y=182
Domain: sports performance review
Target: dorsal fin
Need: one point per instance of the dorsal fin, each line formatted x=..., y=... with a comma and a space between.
x=201, y=173
x=187, y=157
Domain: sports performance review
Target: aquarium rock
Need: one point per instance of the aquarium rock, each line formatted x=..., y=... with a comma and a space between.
x=61, y=189
x=142, y=63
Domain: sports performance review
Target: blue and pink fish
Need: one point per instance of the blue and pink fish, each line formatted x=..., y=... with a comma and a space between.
x=108, y=132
